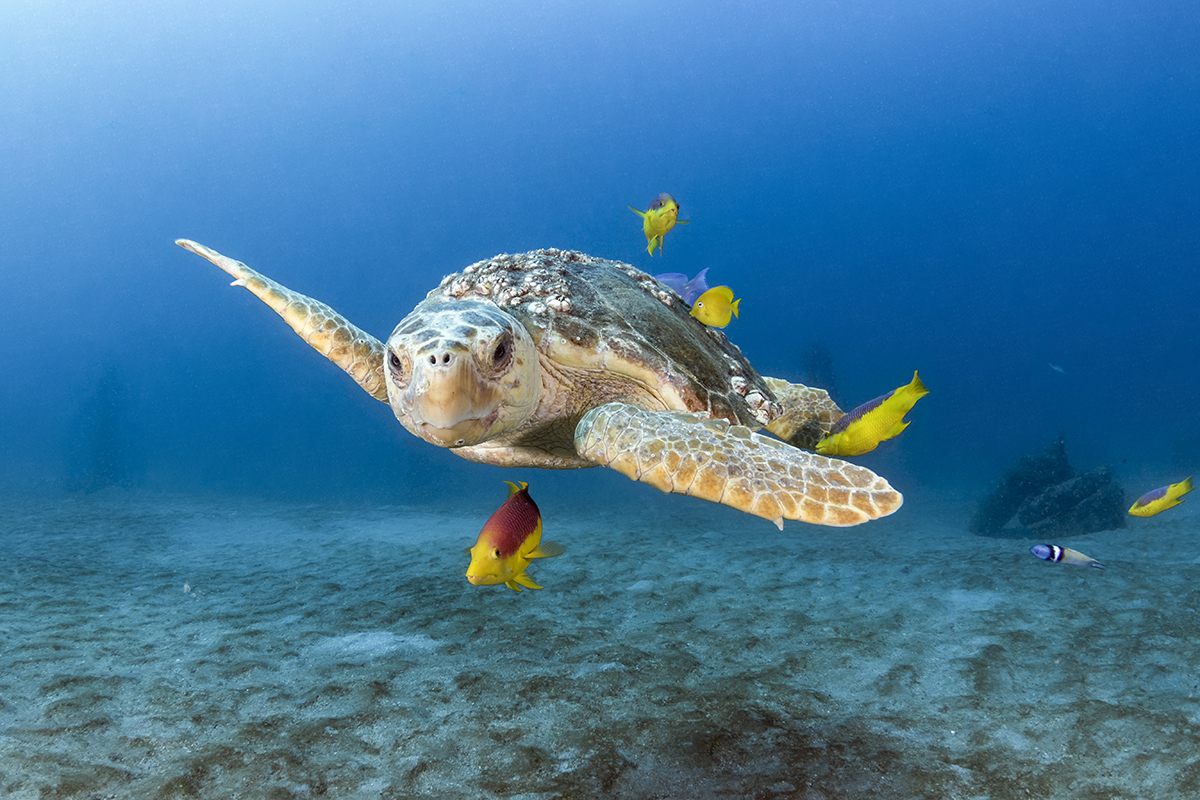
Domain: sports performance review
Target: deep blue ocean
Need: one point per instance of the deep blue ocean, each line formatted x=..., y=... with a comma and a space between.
x=975, y=191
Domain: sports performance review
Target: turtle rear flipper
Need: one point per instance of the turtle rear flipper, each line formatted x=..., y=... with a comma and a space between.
x=690, y=454
x=807, y=413
x=329, y=333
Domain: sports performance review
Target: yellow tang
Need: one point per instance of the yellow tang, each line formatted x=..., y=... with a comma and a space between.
x=510, y=539
x=658, y=219
x=716, y=307
x=1161, y=498
x=873, y=422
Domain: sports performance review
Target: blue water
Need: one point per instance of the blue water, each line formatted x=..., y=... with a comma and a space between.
x=981, y=191
x=975, y=192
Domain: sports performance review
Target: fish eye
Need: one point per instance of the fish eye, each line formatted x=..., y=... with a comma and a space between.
x=495, y=552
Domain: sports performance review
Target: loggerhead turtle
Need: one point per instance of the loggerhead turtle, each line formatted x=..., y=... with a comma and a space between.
x=558, y=360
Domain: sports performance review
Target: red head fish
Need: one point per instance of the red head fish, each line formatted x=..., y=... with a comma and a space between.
x=510, y=539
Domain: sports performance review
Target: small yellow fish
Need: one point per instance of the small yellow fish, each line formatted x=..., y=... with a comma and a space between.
x=510, y=539
x=1161, y=499
x=1064, y=555
x=658, y=219
x=716, y=307
x=873, y=422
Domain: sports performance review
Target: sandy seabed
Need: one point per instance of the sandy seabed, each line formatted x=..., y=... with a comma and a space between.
x=176, y=648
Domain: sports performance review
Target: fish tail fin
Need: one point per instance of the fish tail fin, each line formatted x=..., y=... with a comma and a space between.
x=1096, y=564
x=735, y=306
x=918, y=386
x=547, y=550
x=1181, y=488
x=513, y=488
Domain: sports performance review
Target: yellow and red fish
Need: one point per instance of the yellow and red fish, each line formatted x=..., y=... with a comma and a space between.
x=716, y=307
x=510, y=539
x=1161, y=498
x=658, y=219
x=1064, y=555
x=873, y=422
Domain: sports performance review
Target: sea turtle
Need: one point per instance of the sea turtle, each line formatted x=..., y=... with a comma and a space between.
x=559, y=360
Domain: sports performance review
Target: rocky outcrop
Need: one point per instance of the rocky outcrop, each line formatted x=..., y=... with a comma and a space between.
x=1047, y=497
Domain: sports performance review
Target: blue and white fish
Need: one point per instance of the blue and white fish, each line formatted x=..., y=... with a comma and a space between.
x=1064, y=555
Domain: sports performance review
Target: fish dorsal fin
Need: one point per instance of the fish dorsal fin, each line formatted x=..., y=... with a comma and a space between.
x=513, y=488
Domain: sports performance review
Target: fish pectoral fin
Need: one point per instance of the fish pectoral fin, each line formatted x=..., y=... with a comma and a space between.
x=525, y=581
x=641, y=214
x=683, y=222
x=547, y=550
x=512, y=584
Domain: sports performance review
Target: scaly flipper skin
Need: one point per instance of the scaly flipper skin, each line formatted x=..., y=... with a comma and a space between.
x=808, y=413
x=329, y=333
x=690, y=454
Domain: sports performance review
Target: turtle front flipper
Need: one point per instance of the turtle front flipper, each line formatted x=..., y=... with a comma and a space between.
x=329, y=333
x=806, y=414
x=690, y=454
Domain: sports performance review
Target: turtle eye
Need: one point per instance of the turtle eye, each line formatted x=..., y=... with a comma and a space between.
x=502, y=352
x=398, y=367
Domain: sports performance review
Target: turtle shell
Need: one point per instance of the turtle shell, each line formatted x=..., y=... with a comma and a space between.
x=590, y=313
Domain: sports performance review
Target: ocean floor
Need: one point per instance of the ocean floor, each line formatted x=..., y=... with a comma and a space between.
x=179, y=648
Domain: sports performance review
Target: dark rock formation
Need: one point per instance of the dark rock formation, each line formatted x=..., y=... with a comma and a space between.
x=1030, y=476
x=1049, y=498
x=1092, y=501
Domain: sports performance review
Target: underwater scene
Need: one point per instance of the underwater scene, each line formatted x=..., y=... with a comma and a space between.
x=600, y=400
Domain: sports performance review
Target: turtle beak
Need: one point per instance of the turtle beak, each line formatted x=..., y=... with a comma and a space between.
x=448, y=403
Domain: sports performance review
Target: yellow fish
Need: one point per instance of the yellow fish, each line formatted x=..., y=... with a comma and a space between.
x=658, y=219
x=873, y=422
x=1161, y=499
x=510, y=539
x=716, y=307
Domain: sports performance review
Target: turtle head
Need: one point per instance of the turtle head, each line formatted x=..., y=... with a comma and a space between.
x=462, y=372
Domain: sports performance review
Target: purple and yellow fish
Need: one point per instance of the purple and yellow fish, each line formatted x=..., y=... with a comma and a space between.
x=510, y=539
x=1161, y=498
x=658, y=219
x=1064, y=555
x=688, y=290
x=873, y=422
